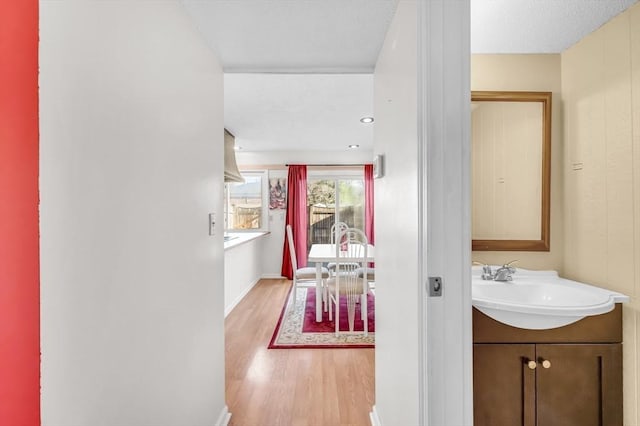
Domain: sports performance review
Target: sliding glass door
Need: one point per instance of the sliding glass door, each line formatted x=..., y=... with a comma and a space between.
x=333, y=199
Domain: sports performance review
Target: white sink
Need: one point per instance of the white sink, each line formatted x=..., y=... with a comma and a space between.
x=540, y=299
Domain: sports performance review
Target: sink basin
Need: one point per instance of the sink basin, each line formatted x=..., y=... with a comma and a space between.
x=540, y=299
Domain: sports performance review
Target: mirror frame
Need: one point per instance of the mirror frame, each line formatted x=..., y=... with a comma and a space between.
x=545, y=203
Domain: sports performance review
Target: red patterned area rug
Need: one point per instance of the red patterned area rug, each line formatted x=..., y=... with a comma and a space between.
x=297, y=327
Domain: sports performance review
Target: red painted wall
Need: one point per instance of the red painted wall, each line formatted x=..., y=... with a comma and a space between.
x=19, y=238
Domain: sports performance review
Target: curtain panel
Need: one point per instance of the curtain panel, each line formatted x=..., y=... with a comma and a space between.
x=297, y=218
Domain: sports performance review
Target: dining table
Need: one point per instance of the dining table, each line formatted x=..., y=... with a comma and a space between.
x=321, y=253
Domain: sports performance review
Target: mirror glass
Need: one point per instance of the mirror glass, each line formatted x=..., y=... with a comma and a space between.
x=511, y=142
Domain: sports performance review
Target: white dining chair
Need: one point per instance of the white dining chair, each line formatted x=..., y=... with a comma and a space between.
x=348, y=283
x=370, y=273
x=337, y=228
x=303, y=277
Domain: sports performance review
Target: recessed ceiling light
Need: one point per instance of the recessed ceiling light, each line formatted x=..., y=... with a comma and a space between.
x=366, y=120
x=354, y=146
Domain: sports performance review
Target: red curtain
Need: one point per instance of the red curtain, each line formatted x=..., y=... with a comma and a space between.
x=297, y=218
x=368, y=203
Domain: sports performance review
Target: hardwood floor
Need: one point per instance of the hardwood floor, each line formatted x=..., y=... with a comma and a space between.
x=277, y=387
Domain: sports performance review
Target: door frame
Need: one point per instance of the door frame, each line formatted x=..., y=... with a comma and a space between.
x=446, y=375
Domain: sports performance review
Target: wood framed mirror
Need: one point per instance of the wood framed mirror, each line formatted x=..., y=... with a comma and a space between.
x=511, y=169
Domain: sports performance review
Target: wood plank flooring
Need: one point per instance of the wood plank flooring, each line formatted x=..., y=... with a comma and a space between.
x=278, y=387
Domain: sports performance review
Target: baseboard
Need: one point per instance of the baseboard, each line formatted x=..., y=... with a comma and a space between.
x=272, y=277
x=233, y=304
x=373, y=416
x=224, y=417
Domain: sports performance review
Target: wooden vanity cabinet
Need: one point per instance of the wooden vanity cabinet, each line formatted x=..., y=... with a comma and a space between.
x=582, y=387
x=503, y=385
x=579, y=384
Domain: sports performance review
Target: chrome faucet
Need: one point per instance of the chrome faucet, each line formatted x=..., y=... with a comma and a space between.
x=487, y=273
x=505, y=272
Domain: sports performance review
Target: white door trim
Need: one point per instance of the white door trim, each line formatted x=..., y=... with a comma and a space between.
x=446, y=396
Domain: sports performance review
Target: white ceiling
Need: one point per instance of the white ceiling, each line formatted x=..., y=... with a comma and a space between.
x=294, y=108
x=299, y=111
x=537, y=26
x=294, y=35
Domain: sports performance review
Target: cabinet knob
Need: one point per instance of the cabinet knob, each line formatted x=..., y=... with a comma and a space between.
x=546, y=363
x=532, y=365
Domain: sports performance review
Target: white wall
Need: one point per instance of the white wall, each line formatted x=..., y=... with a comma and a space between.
x=242, y=270
x=396, y=206
x=273, y=244
x=132, y=295
x=352, y=156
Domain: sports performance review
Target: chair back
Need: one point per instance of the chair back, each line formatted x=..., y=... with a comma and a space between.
x=350, y=262
x=292, y=249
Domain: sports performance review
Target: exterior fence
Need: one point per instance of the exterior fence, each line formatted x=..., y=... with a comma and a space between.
x=321, y=219
x=247, y=217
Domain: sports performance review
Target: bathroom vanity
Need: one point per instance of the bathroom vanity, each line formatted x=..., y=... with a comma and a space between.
x=566, y=376
x=546, y=351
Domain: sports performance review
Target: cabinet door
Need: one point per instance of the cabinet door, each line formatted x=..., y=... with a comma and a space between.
x=503, y=385
x=580, y=386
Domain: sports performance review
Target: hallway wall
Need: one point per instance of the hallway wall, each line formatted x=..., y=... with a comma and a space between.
x=19, y=270
x=601, y=96
x=131, y=165
x=396, y=205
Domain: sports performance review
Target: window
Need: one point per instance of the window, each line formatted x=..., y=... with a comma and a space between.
x=245, y=203
x=331, y=199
